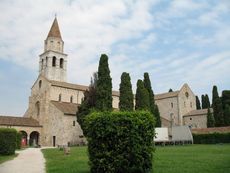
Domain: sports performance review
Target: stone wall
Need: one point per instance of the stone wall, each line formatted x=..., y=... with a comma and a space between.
x=196, y=121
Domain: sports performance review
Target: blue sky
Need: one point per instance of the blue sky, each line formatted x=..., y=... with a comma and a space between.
x=176, y=41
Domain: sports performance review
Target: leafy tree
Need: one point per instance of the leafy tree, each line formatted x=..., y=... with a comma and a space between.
x=217, y=108
x=225, y=97
x=210, y=119
x=198, y=103
x=104, y=86
x=142, y=97
x=126, y=93
x=147, y=85
x=88, y=103
x=170, y=90
x=227, y=115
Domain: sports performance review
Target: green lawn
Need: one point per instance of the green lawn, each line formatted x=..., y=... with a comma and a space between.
x=173, y=159
x=6, y=158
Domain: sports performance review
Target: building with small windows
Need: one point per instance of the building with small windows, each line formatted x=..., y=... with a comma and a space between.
x=50, y=119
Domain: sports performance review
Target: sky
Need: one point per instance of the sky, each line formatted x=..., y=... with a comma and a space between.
x=175, y=41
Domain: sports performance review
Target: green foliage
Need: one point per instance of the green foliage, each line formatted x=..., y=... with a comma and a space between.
x=153, y=107
x=88, y=103
x=170, y=90
x=227, y=115
x=7, y=141
x=104, y=86
x=205, y=101
x=198, y=103
x=142, y=97
x=210, y=119
x=225, y=98
x=120, y=142
x=18, y=140
x=211, y=138
x=215, y=94
x=126, y=93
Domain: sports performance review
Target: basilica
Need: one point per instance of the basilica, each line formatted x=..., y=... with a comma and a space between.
x=50, y=119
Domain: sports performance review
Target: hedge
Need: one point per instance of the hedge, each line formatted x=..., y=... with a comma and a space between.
x=18, y=140
x=120, y=142
x=7, y=141
x=211, y=138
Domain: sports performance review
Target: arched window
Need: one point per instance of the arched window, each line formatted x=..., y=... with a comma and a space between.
x=71, y=99
x=171, y=105
x=40, y=84
x=54, y=61
x=37, y=108
x=61, y=63
x=46, y=61
x=59, y=99
x=42, y=64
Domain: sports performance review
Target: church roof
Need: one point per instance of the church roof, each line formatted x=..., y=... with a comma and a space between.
x=197, y=112
x=54, y=30
x=75, y=86
x=18, y=121
x=166, y=95
x=66, y=108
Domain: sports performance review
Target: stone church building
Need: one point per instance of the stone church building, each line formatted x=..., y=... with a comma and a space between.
x=50, y=119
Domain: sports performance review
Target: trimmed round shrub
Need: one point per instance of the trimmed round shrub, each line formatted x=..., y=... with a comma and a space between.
x=7, y=141
x=120, y=142
x=18, y=140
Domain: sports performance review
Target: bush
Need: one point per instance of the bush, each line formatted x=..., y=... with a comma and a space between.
x=18, y=140
x=120, y=142
x=211, y=138
x=7, y=141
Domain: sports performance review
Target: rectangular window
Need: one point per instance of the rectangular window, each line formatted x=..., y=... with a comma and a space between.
x=73, y=123
x=171, y=105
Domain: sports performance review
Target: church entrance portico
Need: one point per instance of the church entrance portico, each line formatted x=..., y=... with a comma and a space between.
x=34, y=138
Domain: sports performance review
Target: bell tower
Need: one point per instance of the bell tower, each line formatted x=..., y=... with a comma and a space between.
x=53, y=62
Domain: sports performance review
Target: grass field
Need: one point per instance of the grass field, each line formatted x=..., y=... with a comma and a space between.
x=171, y=159
x=6, y=158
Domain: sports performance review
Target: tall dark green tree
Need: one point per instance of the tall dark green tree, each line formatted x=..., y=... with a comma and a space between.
x=147, y=85
x=104, y=86
x=210, y=119
x=142, y=97
x=126, y=93
x=170, y=90
x=204, y=105
x=198, y=103
x=227, y=115
x=207, y=102
x=225, y=98
x=88, y=103
x=217, y=108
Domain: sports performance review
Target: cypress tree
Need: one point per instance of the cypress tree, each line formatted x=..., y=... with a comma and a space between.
x=225, y=97
x=198, y=103
x=126, y=93
x=142, y=97
x=170, y=90
x=210, y=119
x=104, y=86
x=88, y=103
x=207, y=102
x=204, y=106
x=147, y=85
x=217, y=108
x=227, y=115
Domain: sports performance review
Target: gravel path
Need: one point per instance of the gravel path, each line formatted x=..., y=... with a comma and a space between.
x=30, y=160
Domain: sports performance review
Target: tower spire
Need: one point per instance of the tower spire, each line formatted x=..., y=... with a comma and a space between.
x=54, y=30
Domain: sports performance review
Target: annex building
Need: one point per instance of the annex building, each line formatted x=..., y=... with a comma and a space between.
x=50, y=119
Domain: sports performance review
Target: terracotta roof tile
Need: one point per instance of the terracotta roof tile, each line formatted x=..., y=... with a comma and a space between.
x=54, y=30
x=198, y=112
x=18, y=121
x=66, y=108
x=75, y=86
x=166, y=95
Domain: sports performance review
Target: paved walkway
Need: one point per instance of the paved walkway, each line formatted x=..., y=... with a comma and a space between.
x=30, y=160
